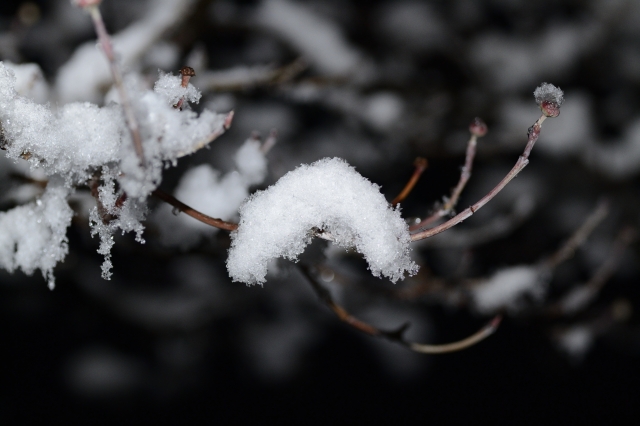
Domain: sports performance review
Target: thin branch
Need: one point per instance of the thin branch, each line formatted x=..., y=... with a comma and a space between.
x=580, y=297
x=107, y=49
x=216, y=134
x=218, y=223
x=523, y=160
x=396, y=335
x=420, y=165
x=579, y=236
x=477, y=129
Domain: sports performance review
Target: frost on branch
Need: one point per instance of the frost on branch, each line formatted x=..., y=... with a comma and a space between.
x=329, y=195
x=80, y=141
x=34, y=235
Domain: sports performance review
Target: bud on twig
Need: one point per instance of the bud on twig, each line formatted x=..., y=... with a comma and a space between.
x=478, y=127
x=187, y=73
x=549, y=98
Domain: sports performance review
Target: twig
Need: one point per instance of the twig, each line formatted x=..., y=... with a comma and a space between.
x=420, y=165
x=270, y=142
x=523, y=160
x=579, y=236
x=579, y=297
x=216, y=134
x=107, y=49
x=477, y=128
x=396, y=335
x=218, y=223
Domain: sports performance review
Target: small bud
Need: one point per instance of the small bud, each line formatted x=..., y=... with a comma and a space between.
x=478, y=127
x=549, y=98
x=187, y=73
x=550, y=109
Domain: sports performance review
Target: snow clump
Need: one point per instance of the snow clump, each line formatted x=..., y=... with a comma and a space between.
x=547, y=92
x=328, y=195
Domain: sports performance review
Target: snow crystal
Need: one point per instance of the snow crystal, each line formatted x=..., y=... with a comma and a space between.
x=505, y=288
x=548, y=93
x=329, y=195
x=170, y=87
x=30, y=81
x=34, y=235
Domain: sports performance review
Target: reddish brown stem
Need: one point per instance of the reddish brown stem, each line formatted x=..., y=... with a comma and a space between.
x=212, y=221
x=523, y=160
x=420, y=165
x=450, y=204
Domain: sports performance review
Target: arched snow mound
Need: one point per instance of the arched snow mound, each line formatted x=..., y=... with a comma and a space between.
x=330, y=195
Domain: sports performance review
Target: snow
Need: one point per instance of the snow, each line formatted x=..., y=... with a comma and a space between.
x=576, y=341
x=169, y=87
x=318, y=39
x=251, y=162
x=547, y=92
x=81, y=138
x=87, y=72
x=328, y=195
x=34, y=234
x=506, y=288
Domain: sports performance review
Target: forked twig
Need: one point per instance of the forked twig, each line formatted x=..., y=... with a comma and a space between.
x=420, y=165
x=396, y=335
x=212, y=221
x=477, y=129
x=523, y=160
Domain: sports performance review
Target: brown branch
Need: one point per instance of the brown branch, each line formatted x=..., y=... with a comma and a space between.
x=396, y=335
x=420, y=165
x=477, y=129
x=217, y=223
x=523, y=160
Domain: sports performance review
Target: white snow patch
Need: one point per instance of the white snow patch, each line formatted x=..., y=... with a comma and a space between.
x=34, y=235
x=329, y=195
x=505, y=289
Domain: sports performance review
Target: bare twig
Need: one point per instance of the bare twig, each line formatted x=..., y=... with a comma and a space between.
x=270, y=142
x=212, y=221
x=477, y=129
x=578, y=298
x=579, y=236
x=396, y=335
x=523, y=160
x=420, y=165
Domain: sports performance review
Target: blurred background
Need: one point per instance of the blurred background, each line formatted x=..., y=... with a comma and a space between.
x=171, y=339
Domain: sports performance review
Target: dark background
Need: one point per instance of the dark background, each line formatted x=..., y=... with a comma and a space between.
x=171, y=340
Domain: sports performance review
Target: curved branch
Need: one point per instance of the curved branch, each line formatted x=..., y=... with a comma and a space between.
x=420, y=165
x=396, y=335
